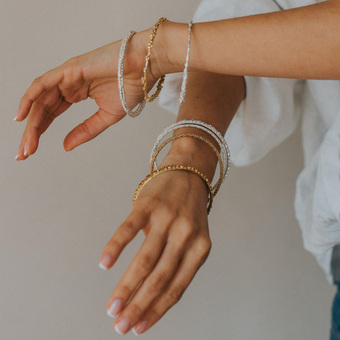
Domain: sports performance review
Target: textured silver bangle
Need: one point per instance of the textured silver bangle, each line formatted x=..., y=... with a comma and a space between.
x=224, y=149
x=141, y=105
x=185, y=72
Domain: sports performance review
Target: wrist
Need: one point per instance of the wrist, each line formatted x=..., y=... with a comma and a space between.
x=192, y=152
x=169, y=50
x=168, y=53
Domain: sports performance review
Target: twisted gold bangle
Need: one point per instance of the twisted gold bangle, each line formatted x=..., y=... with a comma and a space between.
x=217, y=186
x=167, y=168
x=147, y=59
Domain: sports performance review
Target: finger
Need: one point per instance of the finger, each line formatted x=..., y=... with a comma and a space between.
x=44, y=83
x=189, y=266
x=49, y=105
x=90, y=128
x=140, y=267
x=123, y=235
x=63, y=106
x=152, y=287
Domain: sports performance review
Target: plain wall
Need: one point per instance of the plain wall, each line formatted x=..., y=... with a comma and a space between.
x=58, y=210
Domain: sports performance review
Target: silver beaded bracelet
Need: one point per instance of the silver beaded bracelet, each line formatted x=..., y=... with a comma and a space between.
x=185, y=72
x=141, y=105
x=224, y=149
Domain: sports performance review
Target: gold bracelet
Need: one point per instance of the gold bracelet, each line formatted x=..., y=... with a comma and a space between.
x=217, y=186
x=147, y=59
x=167, y=168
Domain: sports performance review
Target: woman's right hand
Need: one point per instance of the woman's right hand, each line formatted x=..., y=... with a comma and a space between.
x=91, y=75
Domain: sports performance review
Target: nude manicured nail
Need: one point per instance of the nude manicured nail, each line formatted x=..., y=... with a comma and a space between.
x=106, y=262
x=123, y=326
x=115, y=308
x=16, y=115
x=140, y=327
x=25, y=150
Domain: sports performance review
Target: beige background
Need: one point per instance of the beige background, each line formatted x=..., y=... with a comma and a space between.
x=58, y=210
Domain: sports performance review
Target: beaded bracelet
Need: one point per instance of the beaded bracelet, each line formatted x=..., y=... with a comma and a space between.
x=147, y=59
x=168, y=168
x=141, y=105
x=215, y=187
x=224, y=150
x=183, y=93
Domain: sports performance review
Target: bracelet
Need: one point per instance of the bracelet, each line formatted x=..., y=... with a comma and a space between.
x=224, y=150
x=173, y=168
x=147, y=59
x=141, y=105
x=183, y=93
x=215, y=187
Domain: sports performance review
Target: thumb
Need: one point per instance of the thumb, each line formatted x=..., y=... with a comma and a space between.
x=90, y=128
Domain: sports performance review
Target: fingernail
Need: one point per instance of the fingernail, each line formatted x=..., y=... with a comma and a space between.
x=123, y=326
x=115, y=308
x=16, y=157
x=106, y=262
x=140, y=327
x=16, y=115
x=25, y=150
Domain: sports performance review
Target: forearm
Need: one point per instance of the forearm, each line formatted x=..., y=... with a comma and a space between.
x=214, y=99
x=297, y=43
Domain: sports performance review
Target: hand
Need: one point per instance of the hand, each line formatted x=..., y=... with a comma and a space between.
x=171, y=211
x=91, y=75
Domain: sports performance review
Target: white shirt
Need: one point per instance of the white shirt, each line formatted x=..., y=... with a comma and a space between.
x=269, y=114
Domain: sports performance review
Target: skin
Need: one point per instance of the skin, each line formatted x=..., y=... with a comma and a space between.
x=176, y=230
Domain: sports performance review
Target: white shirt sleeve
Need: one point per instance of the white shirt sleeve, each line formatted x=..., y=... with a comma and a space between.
x=270, y=111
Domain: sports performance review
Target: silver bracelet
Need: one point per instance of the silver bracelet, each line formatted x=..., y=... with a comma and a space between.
x=141, y=105
x=224, y=149
x=185, y=72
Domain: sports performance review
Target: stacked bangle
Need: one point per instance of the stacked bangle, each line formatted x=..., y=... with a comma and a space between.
x=160, y=82
x=173, y=168
x=223, y=156
x=215, y=187
x=224, y=150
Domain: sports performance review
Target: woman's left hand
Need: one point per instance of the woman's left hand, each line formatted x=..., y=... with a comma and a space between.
x=172, y=212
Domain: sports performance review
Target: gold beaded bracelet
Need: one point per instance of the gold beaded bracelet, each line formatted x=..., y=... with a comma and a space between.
x=147, y=59
x=168, y=168
x=217, y=186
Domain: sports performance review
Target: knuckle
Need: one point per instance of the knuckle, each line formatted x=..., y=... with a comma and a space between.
x=175, y=293
x=36, y=81
x=153, y=316
x=71, y=62
x=72, y=71
x=203, y=248
x=124, y=291
x=113, y=246
x=204, y=244
x=146, y=261
x=158, y=282
x=135, y=310
x=188, y=229
x=128, y=229
x=83, y=128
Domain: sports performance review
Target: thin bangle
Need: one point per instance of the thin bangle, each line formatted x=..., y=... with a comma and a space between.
x=173, y=168
x=224, y=150
x=147, y=59
x=215, y=187
x=183, y=93
x=141, y=105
